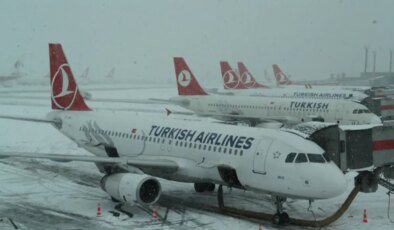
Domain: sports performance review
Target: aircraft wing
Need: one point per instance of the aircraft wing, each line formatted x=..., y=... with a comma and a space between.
x=133, y=101
x=167, y=165
x=241, y=117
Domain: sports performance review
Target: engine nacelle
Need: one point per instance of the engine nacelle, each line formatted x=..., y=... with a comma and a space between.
x=132, y=187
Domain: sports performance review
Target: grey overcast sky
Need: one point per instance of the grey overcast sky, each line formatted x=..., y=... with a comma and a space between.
x=308, y=38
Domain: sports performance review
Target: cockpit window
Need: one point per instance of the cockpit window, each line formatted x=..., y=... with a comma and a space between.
x=316, y=158
x=301, y=158
x=359, y=111
x=326, y=157
x=290, y=157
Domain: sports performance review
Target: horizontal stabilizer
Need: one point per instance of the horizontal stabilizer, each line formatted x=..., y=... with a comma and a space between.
x=28, y=119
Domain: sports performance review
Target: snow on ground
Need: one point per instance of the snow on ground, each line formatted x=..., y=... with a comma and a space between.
x=41, y=194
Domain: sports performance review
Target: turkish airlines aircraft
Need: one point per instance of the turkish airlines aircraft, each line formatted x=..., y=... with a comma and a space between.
x=256, y=89
x=132, y=150
x=283, y=80
x=262, y=109
x=234, y=80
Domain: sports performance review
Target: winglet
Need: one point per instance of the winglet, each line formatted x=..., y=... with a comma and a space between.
x=230, y=77
x=247, y=78
x=281, y=78
x=65, y=93
x=168, y=112
x=186, y=82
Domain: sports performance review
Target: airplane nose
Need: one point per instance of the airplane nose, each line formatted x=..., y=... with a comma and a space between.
x=376, y=120
x=335, y=184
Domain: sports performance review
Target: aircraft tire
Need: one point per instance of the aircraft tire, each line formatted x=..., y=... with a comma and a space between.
x=210, y=187
x=199, y=187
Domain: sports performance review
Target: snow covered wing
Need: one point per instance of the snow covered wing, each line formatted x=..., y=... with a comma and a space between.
x=140, y=163
x=307, y=129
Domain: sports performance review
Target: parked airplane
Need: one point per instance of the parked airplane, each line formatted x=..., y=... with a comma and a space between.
x=262, y=109
x=283, y=80
x=238, y=80
x=257, y=89
x=132, y=150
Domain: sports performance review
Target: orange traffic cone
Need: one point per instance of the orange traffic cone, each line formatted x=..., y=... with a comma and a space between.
x=98, y=210
x=365, y=216
x=154, y=214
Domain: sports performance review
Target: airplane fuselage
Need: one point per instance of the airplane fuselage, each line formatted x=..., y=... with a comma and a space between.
x=287, y=110
x=303, y=93
x=206, y=152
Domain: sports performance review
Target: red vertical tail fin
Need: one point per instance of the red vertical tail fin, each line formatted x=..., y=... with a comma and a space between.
x=247, y=78
x=65, y=93
x=281, y=78
x=186, y=82
x=230, y=77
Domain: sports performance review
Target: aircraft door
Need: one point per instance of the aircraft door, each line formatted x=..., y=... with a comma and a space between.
x=260, y=156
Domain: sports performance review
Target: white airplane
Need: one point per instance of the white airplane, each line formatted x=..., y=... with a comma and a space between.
x=245, y=80
x=283, y=81
x=256, y=110
x=132, y=150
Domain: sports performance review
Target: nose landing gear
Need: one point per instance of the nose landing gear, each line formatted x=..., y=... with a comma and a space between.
x=280, y=218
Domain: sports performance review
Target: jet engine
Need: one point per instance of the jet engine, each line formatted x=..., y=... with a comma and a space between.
x=132, y=187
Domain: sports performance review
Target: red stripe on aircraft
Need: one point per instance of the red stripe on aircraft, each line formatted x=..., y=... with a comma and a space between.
x=383, y=145
x=387, y=107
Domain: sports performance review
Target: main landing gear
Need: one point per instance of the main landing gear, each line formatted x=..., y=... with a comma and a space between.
x=280, y=218
x=202, y=187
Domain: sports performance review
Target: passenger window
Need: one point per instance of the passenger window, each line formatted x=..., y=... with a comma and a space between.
x=209, y=148
x=241, y=153
x=316, y=158
x=290, y=157
x=301, y=158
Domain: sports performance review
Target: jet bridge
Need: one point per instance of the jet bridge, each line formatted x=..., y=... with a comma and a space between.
x=366, y=149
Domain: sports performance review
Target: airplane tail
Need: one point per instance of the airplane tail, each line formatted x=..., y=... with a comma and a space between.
x=230, y=77
x=247, y=78
x=281, y=78
x=186, y=82
x=65, y=93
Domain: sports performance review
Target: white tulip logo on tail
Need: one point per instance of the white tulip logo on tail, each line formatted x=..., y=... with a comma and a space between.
x=248, y=80
x=184, y=78
x=230, y=79
x=60, y=95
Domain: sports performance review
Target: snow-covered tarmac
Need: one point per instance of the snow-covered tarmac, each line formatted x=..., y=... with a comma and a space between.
x=41, y=194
